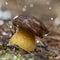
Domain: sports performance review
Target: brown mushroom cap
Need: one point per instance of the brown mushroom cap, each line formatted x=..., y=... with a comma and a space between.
x=32, y=24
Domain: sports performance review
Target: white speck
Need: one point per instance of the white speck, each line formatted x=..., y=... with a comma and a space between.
x=23, y=59
x=50, y=8
x=52, y=19
x=31, y=5
x=4, y=33
x=15, y=17
x=37, y=41
x=46, y=35
x=15, y=57
x=10, y=26
x=23, y=9
x=6, y=3
x=1, y=22
x=57, y=21
x=6, y=15
x=25, y=6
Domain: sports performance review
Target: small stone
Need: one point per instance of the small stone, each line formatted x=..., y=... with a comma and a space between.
x=23, y=59
x=58, y=58
x=57, y=21
x=6, y=15
x=1, y=22
x=15, y=57
x=1, y=43
x=4, y=33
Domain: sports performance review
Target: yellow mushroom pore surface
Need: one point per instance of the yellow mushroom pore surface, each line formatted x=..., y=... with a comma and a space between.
x=24, y=40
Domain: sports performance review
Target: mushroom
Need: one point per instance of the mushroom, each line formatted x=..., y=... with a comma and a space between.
x=28, y=28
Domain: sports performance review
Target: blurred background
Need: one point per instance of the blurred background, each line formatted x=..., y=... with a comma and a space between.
x=47, y=11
